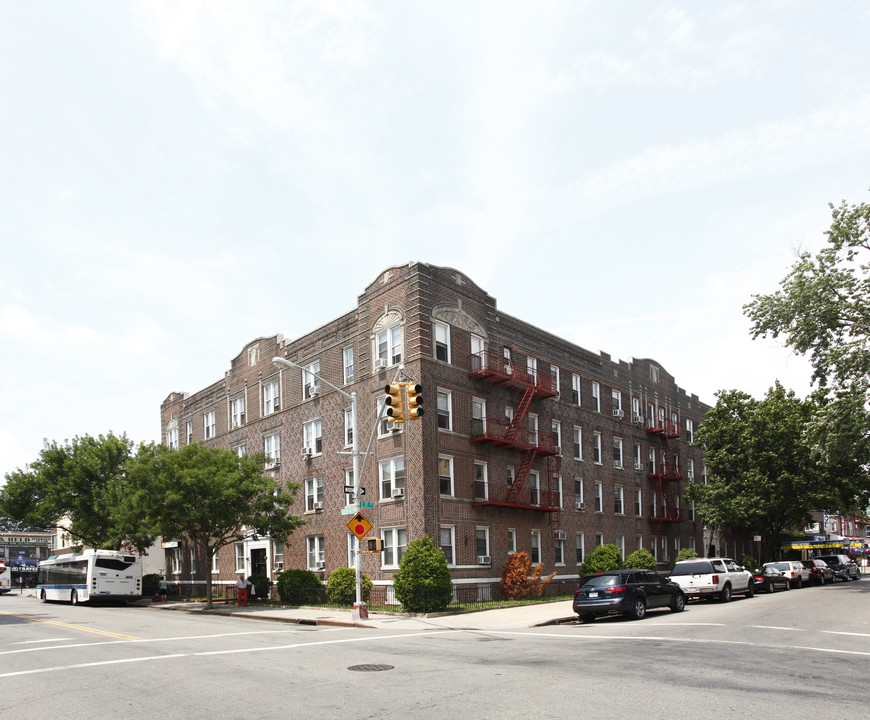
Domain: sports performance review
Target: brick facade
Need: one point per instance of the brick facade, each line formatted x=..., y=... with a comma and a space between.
x=473, y=517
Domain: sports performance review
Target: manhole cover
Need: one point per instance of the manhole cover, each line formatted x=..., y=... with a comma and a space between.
x=370, y=668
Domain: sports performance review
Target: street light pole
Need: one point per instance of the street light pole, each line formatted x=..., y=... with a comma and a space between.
x=359, y=608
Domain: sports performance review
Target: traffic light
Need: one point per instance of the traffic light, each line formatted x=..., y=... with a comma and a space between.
x=415, y=401
x=395, y=409
x=374, y=545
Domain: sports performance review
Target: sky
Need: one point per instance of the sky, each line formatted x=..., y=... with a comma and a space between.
x=179, y=179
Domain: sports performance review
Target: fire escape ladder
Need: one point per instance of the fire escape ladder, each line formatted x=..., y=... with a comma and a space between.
x=521, y=476
x=520, y=414
x=554, y=467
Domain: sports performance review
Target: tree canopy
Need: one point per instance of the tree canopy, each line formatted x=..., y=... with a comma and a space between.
x=210, y=495
x=823, y=305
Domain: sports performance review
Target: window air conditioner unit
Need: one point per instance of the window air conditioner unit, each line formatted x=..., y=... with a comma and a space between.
x=637, y=419
x=279, y=565
x=580, y=505
x=380, y=363
x=276, y=404
x=322, y=566
x=394, y=426
x=484, y=559
x=560, y=535
x=307, y=452
x=318, y=506
x=398, y=492
x=619, y=414
x=314, y=391
x=638, y=465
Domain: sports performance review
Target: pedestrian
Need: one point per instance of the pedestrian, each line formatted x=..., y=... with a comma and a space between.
x=163, y=589
x=242, y=591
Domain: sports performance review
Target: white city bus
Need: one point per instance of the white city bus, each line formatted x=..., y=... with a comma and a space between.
x=5, y=578
x=90, y=576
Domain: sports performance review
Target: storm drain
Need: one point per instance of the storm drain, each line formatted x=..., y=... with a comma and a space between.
x=370, y=668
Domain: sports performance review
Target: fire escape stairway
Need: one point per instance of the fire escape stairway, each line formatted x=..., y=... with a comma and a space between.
x=522, y=474
x=520, y=414
x=665, y=482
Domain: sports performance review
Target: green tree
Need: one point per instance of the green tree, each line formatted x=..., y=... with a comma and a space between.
x=604, y=558
x=641, y=559
x=823, y=305
x=210, y=495
x=762, y=473
x=81, y=487
x=686, y=554
x=423, y=582
x=341, y=586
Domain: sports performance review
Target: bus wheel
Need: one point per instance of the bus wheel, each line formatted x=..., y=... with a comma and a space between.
x=42, y=596
x=74, y=598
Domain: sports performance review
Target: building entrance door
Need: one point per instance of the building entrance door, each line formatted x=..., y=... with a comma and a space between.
x=258, y=561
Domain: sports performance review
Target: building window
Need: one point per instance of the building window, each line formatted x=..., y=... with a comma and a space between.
x=596, y=396
x=395, y=543
x=616, y=396
x=445, y=475
x=559, y=551
x=316, y=552
x=313, y=494
x=389, y=346
x=512, y=541
x=347, y=363
x=481, y=482
x=271, y=400
x=535, y=553
x=690, y=430
x=636, y=417
x=690, y=470
x=575, y=389
x=209, y=424
x=447, y=546
x=189, y=428
x=348, y=427
x=617, y=452
x=510, y=474
x=478, y=417
x=578, y=443
x=241, y=450
x=556, y=427
x=580, y=545
x=599, y=539
x=278, y=554
x=442, y=342
x=638, y=542
x=533, y=429
x=578, y=494
x=237, y=411
x=652, y=461
x=311, y=380
x=557, y=491
x=532, y=368
x=312, y=437
x=240, y=557
x=192, y=561
x=596, y=448
x=534, y=487
x=175, y=561
x=392, y=475
x=348, y=482
x=557, y=380
x=445, y=420
x=384, y=422
x=172, y=438
x=214, y=562
x=478, y=353
x=272, y=448
x=618, y=500
x=638, y=502
x=481, y=542
x=620, y=543
x=638, y=463
x=599, y=497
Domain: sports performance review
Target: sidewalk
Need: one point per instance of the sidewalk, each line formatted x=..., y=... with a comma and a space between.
x=525, y=616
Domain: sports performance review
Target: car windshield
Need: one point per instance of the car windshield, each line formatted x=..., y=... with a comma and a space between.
x=601, y=581
x=701, y=567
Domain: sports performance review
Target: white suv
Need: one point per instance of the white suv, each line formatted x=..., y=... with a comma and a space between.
x=798, y=575
x=712, y=577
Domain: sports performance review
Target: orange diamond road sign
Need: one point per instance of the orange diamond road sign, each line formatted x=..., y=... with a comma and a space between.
x=359, y=526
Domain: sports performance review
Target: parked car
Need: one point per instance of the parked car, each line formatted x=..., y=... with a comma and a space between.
x=843, y=567
x=770, y=579
x=713, y=577
x=821, y=572
x=626, y=592
x=794, y=570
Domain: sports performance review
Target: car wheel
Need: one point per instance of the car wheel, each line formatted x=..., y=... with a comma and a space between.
x=74, y=597
x=587, y=617
x=679, y=603
x=799, y=583
x=750, y=590
x=638, y=609
x=787, y=586
x=725, y=595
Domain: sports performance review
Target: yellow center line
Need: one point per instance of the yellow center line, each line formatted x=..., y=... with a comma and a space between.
x=72, y=627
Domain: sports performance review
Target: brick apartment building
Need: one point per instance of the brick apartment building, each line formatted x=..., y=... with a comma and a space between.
x=529, y=443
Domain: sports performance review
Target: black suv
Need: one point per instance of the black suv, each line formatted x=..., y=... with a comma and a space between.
x=843, y=567
x=626, y=592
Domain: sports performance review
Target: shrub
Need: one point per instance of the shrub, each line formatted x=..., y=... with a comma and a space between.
x=686, y=554
x=341, y=586
x=602, y=559
x=262, y=585
x=299, y=587
x=750, y=563
x=423, y=582
x=150, y=584
x=641, y=559
x=518, y=580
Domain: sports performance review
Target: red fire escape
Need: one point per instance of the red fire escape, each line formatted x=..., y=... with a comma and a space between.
x=664, y=475
x=516, y=434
